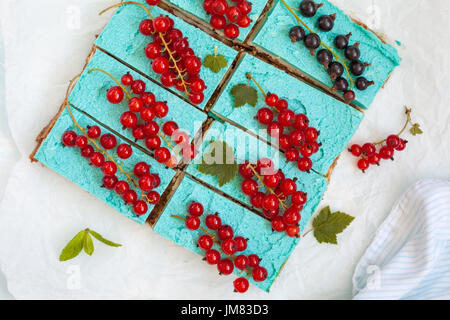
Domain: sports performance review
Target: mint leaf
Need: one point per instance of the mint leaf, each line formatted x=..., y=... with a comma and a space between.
x=327, y=225
x=220, y=162
x=215, y=62
x=415, y=129
x=101, y=239
x=88, y=245
x=244, y=94
x=74, y=247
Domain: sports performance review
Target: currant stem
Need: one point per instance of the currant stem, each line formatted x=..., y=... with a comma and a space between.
x=307, y=232
x=115, y=80
x=167, y=141
x=201, y=228
x=321, y=42
x=128, y=2
x=408, y=121
x=250, y=77
x=270, y=189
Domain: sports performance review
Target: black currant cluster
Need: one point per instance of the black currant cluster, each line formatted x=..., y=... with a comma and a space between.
x=312, y=41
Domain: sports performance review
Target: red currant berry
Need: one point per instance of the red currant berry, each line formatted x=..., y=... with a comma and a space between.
x=153, y=142
x=301, y=121
x=205, y=242
x=140, y=208
x=195, y=209
x=108, y=141
x=130, y=197
x=368, y=149
x=304, y=164
x=121, y=187
x=147, y=114
x=264, y=116
x=249, y=187
x=374, y=159
x=363, y=164
x=283, y=142
x=299, y=198
x=296, y=138
x=306, y=151
x=94, y=132
x=138, y=87
x=87, y=151
x=393, y=141
x=231, y=31
x=196, y=98
x=288, y=187
x=402, y=145
x=241, y=243
x=271, y=181
x=253, y=260
x=241, y=262
x=244, y=22
x=212, y=257
x=270, y=202
x=311, y=134
x=169, y=128
x=265, y=166
x=162, y=154
x=259, y=274
x=241, y=285
x=225, y=232
x=271, y=213
x=128, y=119
x=233, y=14
x=286, y=117
x=181, y=45
x=109, y=182
x=69, y=138
x=213, y=222
x=146, y=27
x=219, y=7
x=161, y=24
x=135, y=105
x=192, y=64
x=168, y=79
x=151, y=129
x=272, y=100
x=207, y=6
x=192, y=223
x=291, y=217
x=245, y=170
x=153, y=197
x=387, y=152
x=109, y=168
x=115, y=95
x=152, y=2
x=97, y=159
x=147, y=183
x=225, y=267
x=181, y=138
x=161, y=109
x=217, y=21
x=81, y=142
x=291, y=155
x=293, y=231
x=228, y=247
x=275, y=129
x=138, y=132
x=124, y=151
x=278, y=224
x=198, y=85
x=356, y=150
x=160, y=65
x=244, y=6
x=189, y=152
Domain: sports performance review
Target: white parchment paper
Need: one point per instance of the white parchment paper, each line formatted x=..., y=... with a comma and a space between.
x=46, y=43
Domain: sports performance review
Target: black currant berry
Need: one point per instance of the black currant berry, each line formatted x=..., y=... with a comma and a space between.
x=309, y=8
x=357, y=67
x=335, y=70
x=325, y=57
x=297, y=33
x=341, y=42
x=312, y=41
x=362, y=83
x=340, y=84
x=349, y=95
x=352, y=52
x=326, y=23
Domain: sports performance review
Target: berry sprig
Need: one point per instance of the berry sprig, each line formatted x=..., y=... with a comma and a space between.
x=223, y=248
x=300, y=141
x=171, y=56
x=326, y=55
x=368, y=153
x=229, y=18
x=273, y=191
x=96, y=147
x=143, y=110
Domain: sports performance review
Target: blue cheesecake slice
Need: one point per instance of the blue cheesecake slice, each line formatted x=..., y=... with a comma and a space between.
x=275, y=38
x=122, y=39
x=69, y=163
x=249, y=148
x=336, y=121
x=89, y=95
x=272, y=247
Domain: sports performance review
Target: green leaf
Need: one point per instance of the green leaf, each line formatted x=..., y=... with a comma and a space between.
x=105, y=241
x=415, y=129
x=215, y=62
x=219, y=162
x=244, y=94
x=88, y=244
x=74, y=247
x=327, y=225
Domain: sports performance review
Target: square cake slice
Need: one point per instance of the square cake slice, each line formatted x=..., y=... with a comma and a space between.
x=122, y=39
x=374, y=60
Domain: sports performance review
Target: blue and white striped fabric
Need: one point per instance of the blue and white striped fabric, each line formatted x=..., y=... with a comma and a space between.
x=410, y=255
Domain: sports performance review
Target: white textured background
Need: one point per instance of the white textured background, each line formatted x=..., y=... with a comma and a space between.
x=45, y=45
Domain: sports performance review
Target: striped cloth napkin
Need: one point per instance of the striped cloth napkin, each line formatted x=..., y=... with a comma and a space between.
x=410, y=255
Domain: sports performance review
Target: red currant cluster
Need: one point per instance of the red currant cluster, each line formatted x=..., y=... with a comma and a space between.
x=101, y=159
x=230, y=245
x=145, y=127
x=237, y=15
x=370, y=156
x=279, y=191
x=172, y=57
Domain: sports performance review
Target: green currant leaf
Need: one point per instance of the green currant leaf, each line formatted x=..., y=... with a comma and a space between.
x=327, y=225
x=215, y=62
x=219, y=162
x=101, y=239
x=415, y=129
x=88, y=244
x=244, y=94
x=74, y=247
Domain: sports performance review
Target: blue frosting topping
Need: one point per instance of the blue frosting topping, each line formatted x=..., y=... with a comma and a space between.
x=121, y=38
x=273, y=247
x=195, y=7
x=274, y=37
x=89, y=95
x=69, y=163
x=336, y=121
